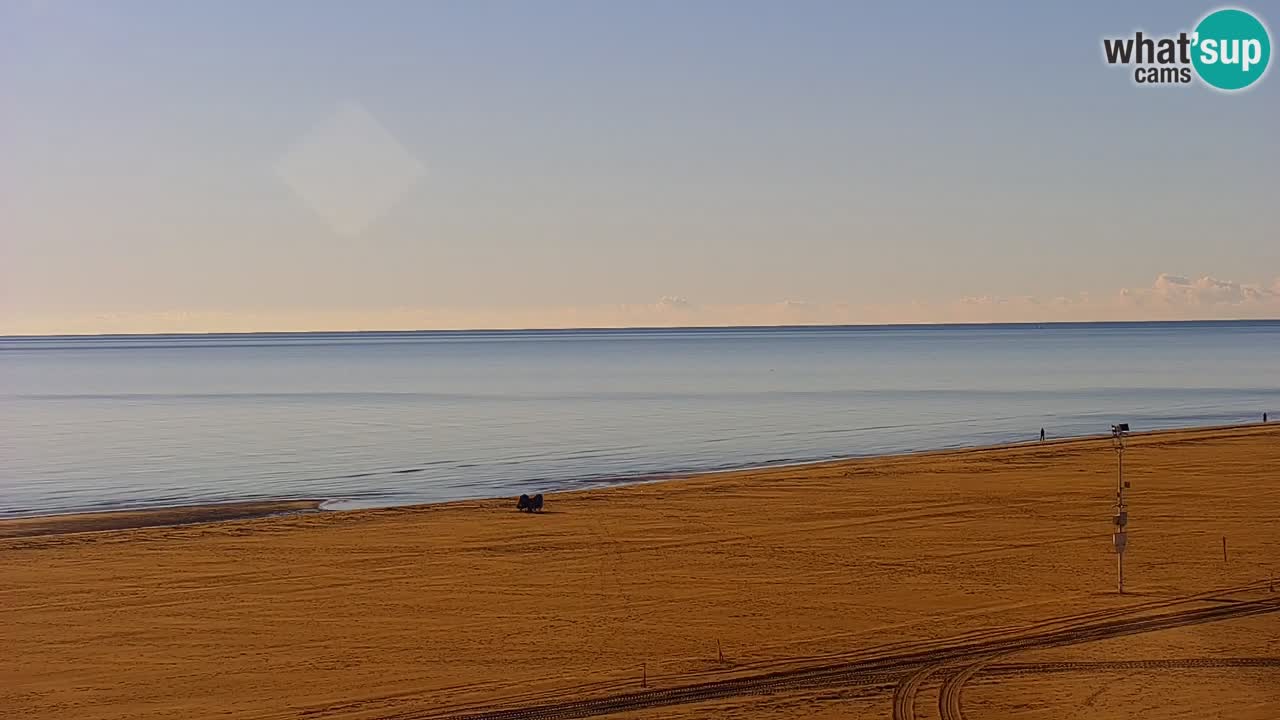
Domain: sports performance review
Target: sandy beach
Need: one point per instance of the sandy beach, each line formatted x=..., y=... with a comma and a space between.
x=977, y=583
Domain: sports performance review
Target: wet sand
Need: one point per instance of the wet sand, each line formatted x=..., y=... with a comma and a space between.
x=157, y=517
x=420, y=612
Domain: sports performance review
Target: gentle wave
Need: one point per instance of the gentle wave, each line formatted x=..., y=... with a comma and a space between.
x=425, y=417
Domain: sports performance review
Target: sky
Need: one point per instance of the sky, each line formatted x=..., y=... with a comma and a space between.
x=248, y=166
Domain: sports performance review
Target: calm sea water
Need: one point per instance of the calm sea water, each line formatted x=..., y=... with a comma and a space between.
x=392, y=418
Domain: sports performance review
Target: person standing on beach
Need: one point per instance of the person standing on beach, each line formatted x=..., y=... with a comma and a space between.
x=1042, y=433
x=1264, y=417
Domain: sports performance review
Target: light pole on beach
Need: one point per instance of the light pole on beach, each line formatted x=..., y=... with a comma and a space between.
x=1121, y=517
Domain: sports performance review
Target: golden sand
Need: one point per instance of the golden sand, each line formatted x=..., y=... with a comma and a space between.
x=424, y=611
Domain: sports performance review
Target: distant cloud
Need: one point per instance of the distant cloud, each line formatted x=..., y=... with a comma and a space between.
x=1166, y=280
x=1168, y=297
x=1204, y=291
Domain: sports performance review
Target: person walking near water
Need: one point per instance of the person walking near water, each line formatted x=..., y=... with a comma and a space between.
x=1264, y=415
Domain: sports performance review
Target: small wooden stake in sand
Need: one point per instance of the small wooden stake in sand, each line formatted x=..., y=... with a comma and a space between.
x=1224, y=548
x=719, y=651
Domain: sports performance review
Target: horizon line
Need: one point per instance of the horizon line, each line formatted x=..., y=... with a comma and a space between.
x=617, y=328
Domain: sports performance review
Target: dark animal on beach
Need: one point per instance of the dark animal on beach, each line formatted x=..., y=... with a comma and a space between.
x=531, y=504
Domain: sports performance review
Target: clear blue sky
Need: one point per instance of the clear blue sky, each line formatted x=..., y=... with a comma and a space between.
x=623, y=163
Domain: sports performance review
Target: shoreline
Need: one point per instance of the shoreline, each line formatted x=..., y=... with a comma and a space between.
x=65, y=523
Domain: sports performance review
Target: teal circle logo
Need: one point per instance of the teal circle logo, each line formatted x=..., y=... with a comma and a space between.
x=1231, y=49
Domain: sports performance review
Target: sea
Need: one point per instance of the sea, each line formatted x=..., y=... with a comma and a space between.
x=368, y=419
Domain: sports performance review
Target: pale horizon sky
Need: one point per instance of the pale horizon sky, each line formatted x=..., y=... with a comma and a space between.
x=236, y=166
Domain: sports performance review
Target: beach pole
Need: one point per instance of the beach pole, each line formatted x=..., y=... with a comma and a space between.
x=1224, y=548
x=1121, y=518
x=1120, y=571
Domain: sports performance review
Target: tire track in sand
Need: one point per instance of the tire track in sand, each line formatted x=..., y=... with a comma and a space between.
x=875, y=670
x=949, y=695
x=904, y=694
